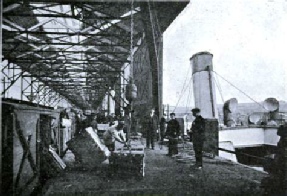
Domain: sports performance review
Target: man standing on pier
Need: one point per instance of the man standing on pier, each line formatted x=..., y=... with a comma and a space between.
x=198, y=136
x=152, y=128
x=173, y=132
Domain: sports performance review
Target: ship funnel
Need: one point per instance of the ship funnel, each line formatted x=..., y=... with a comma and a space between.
x=229, y=109
x=271, y=104
x=203, y=85
x=204, y=97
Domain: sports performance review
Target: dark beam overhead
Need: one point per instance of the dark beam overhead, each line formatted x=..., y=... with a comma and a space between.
x=70, y=51
x=64, y=33
x=67, y=63
x=69, y=2
x=94, y=2
x=33, y=60
x=65, y=44
x=70, y=76
x=62, y=16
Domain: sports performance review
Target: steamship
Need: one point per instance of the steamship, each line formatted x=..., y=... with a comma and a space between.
x=241, y=132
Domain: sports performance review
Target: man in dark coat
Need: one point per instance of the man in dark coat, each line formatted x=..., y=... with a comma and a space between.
x=172, y=132
x=198, y=136
x=152, y=128
x=275, y=183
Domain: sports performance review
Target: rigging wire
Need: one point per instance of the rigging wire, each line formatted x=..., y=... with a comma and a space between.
x=216, y=81
x=183, y=90
x=183, y=87
x=240, y=90
x=190, y=92
x=188, y=101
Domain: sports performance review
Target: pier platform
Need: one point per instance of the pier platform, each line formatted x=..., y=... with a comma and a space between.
x=164, y=175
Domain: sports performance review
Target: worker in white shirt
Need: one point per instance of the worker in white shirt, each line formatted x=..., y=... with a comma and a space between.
x=114, y=133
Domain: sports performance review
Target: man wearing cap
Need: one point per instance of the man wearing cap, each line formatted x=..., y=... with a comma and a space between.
x=198, y=138
x=172, y=132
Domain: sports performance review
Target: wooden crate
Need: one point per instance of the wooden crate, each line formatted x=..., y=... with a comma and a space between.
x=128, y=161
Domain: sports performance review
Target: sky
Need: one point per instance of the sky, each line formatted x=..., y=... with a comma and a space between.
x=248, y=40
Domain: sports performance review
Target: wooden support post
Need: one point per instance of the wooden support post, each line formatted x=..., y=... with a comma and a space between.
x=118, y=95
x=38, y=147
x=1, y=13
x=24, y=156
x=7, y=129
x=25, y=144
x=45, y=138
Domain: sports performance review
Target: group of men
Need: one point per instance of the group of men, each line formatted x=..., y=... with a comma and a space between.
x=156, y=130
x=172, y=133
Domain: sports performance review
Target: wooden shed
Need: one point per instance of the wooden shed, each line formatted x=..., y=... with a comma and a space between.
x=26, y=161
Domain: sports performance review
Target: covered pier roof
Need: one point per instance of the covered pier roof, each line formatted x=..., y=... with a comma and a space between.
x=78, y=48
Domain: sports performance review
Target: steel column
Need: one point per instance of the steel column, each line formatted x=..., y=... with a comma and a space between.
x=160, y=75
x=147, y=23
